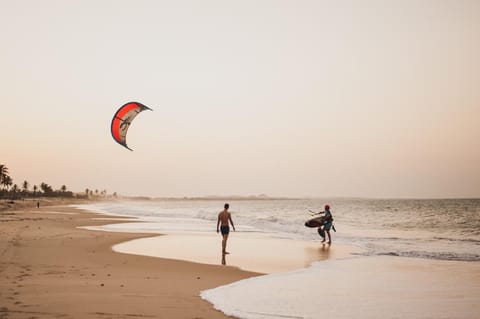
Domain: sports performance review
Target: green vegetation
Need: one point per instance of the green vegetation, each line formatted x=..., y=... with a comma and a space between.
x=10, y=190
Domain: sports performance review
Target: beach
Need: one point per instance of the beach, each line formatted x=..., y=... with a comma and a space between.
x=120, y=267
x=133, y=131
x=51, y=269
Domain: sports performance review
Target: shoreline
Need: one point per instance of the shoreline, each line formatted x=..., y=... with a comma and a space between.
x=50, y=268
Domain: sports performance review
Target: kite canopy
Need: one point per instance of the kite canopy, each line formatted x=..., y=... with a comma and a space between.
x=123, y=118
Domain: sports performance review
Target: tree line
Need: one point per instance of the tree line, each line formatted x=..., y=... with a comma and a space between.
x=8, y=189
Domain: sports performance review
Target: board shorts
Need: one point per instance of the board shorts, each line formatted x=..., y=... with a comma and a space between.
x=327, y=226
x=224, y=230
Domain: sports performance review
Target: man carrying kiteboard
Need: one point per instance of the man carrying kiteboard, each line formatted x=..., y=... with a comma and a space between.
x=327, y=221
x=327, y=225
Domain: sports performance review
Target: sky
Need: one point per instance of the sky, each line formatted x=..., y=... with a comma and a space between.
x=375, y=98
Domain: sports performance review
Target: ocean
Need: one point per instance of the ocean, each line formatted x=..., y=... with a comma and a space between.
x=427, y=229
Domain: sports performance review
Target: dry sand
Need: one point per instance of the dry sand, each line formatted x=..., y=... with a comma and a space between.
x=51, y=269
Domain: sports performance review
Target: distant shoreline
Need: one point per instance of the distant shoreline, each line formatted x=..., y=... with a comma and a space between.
x=206, y=198
x=257, y=198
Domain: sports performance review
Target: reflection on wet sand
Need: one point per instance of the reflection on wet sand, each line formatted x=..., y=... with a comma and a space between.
x=247, y=251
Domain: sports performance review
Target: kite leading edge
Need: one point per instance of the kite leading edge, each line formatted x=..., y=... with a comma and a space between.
x=123, y=118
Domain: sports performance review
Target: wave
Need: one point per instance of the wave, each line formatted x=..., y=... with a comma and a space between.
x=429, y=255
x=465, y=240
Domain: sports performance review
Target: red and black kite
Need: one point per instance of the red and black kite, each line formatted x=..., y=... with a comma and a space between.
x=123, y=118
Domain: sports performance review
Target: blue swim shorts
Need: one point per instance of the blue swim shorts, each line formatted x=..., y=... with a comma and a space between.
x=224, y=230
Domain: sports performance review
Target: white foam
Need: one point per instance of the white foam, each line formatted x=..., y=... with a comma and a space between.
x=365, y=287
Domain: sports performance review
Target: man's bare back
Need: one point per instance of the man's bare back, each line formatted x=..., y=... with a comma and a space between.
x=224, y=216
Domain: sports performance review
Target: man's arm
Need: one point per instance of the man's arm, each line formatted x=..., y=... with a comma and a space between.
x=314, y=213
x=231, y=221
x=218, y=222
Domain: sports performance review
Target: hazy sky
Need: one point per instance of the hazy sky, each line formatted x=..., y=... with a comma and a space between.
x=287, y=98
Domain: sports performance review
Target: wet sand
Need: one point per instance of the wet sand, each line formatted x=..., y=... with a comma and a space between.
x=252, y=252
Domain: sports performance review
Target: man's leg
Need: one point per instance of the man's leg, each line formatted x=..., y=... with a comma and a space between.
x=324, y=236
x=224, y=243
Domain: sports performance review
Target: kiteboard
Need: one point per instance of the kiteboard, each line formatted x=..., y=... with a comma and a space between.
x=321, y=232
x=317, y=222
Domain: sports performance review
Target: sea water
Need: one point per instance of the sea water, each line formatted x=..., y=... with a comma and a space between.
x=438, y=229
x=446, y=229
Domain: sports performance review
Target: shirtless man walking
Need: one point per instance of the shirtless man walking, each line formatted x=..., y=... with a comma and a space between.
x=223, y=218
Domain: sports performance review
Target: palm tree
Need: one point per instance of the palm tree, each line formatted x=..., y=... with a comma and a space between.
x=7, y=181
x=14, y=191
x=3, y=173
x=35, y=188
x=3, y=170
x=25, y=186
x=43, y=186
x=63, y=188
x=47, y=189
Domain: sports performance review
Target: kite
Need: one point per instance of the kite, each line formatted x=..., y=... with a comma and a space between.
x=123, y=118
